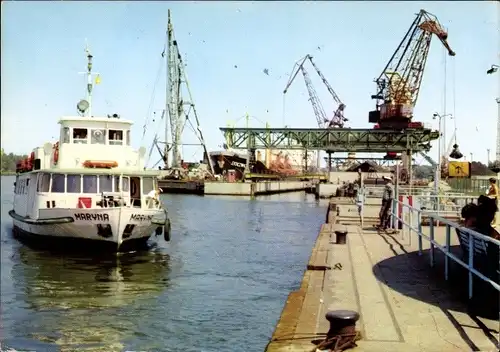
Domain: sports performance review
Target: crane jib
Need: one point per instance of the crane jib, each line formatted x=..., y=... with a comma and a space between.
x=337, y=119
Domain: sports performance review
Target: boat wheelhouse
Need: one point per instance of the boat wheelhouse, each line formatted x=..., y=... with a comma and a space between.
x=91, y=184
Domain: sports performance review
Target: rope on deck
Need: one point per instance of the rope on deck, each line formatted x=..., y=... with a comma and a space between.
x=338, y=343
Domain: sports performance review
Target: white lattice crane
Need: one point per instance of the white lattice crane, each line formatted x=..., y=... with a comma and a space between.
x=338, y=119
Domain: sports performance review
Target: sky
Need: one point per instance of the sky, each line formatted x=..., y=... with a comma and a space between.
x=226, y=46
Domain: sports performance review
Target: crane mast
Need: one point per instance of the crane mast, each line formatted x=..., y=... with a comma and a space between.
x=338, y=118
x=175, y=106
x=178, y=115
x=399, y=83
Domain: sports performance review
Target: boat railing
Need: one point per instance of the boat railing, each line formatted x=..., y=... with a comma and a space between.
x=477, y=248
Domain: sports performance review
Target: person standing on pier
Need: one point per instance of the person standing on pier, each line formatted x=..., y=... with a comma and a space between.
x=493, y=194
x=387, y=201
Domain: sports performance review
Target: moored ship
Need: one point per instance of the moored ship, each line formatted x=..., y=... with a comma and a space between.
x=90, y=186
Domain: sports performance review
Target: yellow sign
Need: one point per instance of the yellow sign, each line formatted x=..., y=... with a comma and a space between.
x=459, y=169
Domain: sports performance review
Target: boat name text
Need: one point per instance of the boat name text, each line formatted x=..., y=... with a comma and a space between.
x=91, y=217
x=235, y=163
x=141, y=217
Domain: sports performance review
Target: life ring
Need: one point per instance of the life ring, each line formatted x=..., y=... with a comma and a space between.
x=56, y=153
x=100, y=164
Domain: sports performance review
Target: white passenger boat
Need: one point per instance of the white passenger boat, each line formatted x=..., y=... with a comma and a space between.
x=90, y=186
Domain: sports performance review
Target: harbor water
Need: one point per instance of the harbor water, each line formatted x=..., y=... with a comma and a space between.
x=219, y=285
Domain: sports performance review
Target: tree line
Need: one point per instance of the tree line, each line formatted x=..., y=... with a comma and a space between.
x=9, y=161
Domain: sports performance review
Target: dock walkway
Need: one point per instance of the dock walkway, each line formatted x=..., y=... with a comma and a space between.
x=404, y=304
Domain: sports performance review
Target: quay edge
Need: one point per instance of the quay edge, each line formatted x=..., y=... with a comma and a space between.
x=232, y=188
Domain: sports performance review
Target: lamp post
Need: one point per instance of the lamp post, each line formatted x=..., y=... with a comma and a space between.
x=493, y=69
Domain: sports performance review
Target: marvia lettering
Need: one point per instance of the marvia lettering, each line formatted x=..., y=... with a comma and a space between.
x=91, y=217
x=141, y=217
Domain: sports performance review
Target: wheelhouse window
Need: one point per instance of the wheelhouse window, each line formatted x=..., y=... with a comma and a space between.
x=58, y=183
x=65, y=135
x=89, y=184
x=105, y=183
x=125, y=184
x=128, y=137
x=147, y=185
x=80, y=135
x=117, y=184
x=43, y=183
x=97, y=136
x=73, y=183
x=115, y=137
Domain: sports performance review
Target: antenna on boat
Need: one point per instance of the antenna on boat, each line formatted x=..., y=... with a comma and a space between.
x=85, y=106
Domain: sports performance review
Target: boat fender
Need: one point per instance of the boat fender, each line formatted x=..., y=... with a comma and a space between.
x=159, y=230
x=167, y=230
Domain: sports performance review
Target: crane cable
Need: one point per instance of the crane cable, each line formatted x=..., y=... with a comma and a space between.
x=454, y=99
x=153, y=95
x=284, y=105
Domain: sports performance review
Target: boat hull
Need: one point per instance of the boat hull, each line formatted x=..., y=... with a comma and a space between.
x=112, y=228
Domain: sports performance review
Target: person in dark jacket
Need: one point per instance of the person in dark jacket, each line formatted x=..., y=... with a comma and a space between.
x=387, y=200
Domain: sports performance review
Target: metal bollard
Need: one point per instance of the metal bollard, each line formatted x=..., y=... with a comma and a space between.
x=332, y=208
x=341, y=236
x=342, y=322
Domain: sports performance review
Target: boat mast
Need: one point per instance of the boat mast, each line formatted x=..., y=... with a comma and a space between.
x=90, y=85
x=89, y=80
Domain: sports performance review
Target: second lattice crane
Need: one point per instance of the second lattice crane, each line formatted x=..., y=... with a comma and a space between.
x=338, y=119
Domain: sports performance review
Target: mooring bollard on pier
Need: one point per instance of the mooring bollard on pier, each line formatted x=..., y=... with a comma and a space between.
x=332, y=214
x=342, y=334
x=341, y=235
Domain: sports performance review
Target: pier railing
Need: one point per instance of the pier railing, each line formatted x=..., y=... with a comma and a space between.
x=449, y=204
x=411, y=220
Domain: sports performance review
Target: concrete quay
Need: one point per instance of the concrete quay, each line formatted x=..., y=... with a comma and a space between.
x=182, y=187
x=232, y=188
x=253, y=188
x=404, y=304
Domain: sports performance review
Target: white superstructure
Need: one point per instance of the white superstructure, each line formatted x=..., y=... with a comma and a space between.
x=90, y=185
x=298, y=159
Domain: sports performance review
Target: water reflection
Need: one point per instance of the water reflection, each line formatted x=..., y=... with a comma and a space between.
x=75, y=295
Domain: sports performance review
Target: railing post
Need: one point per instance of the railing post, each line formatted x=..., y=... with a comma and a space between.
x=411, y=224
x=393, y=213
x=431, y=235
x=419, y=226
x=471, y=263
x=446, y=258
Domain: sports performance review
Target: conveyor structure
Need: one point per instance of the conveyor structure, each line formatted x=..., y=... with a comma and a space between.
x=331, y=140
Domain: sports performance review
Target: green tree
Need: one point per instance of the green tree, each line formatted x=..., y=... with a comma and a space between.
x=423, y=172
x=9, y=161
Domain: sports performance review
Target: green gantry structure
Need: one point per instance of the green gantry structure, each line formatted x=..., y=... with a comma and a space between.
x=331, y=140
